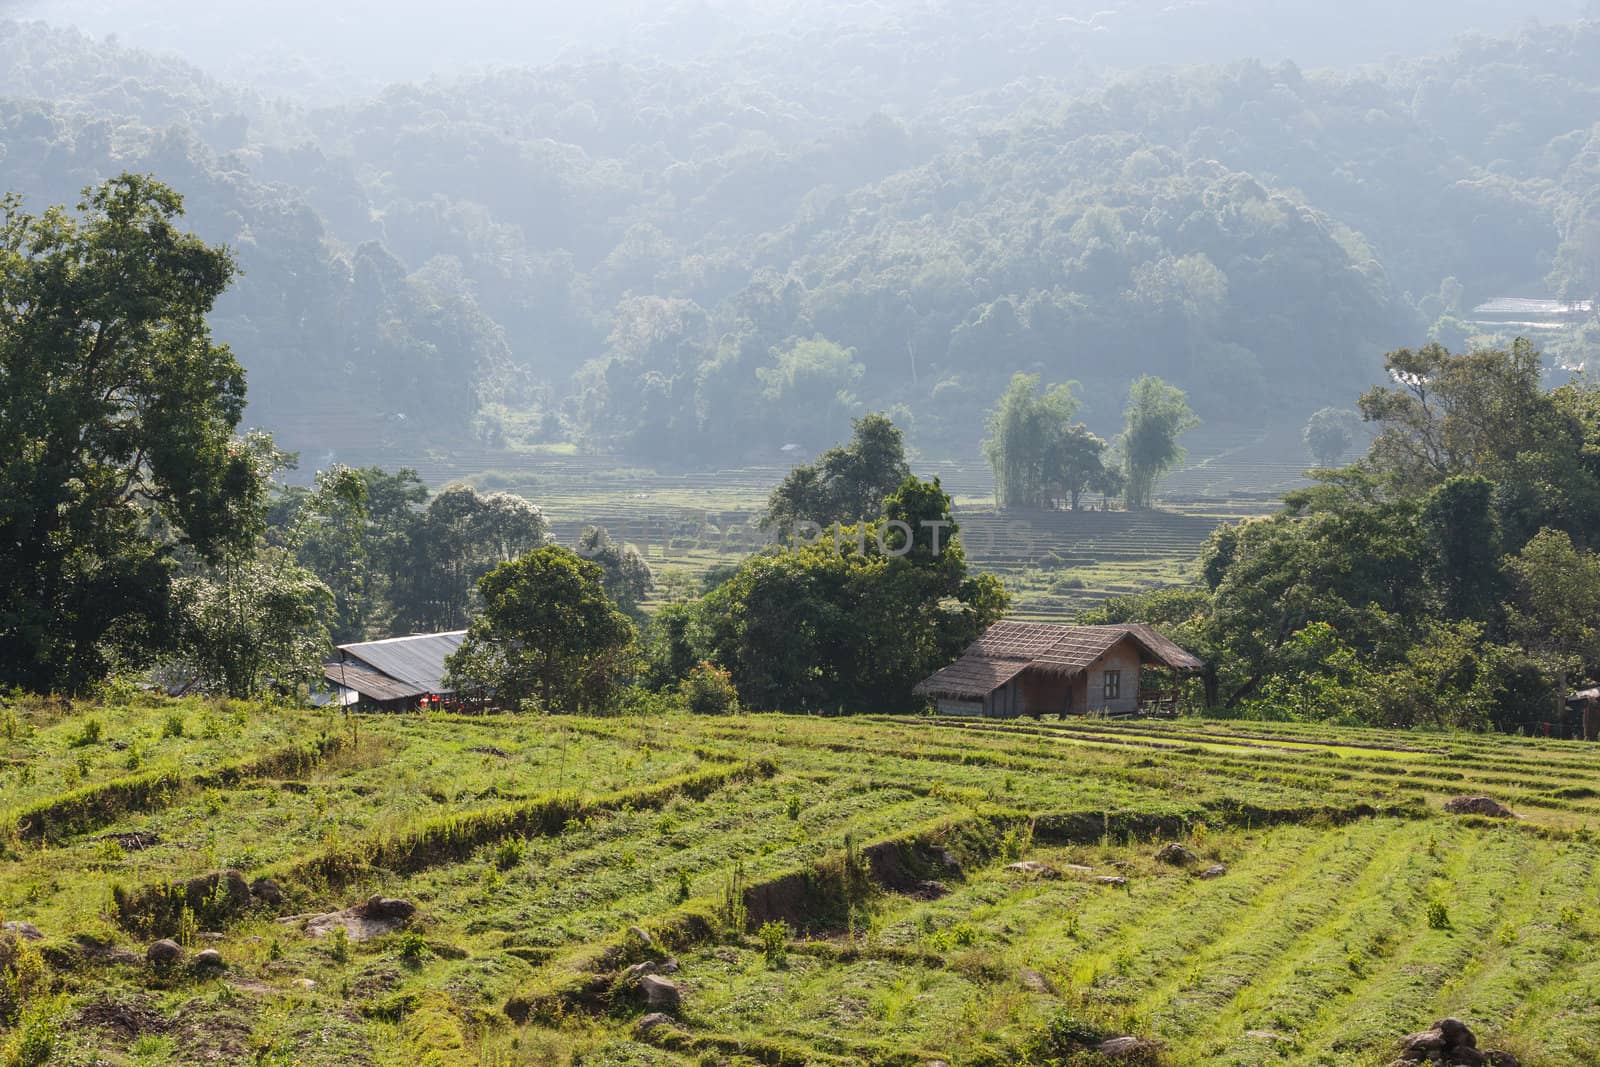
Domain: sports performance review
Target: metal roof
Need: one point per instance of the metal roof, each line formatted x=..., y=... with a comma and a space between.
x=416, y=662
x=370, y=683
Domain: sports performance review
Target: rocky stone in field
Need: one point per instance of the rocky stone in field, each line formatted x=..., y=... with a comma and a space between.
x=266, y=891
x=25, y=930
x=1035, y=982
x=163, y=952
x=1485, y=806
x=1449, y=1043
x=209, y=960
x=1128, y=1048
x=1033, y=868
x=1112, y=880
x=638, y=971
x=1216, y=870
x=638, y=937
x=1176, y=854
x=659, y=994
x=1078, y=868
x=376, y=917
x=649, y=1022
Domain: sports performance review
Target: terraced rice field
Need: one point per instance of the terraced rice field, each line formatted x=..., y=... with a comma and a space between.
x=1352, y=907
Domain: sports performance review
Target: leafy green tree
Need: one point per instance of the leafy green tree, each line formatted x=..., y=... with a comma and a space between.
x=460, y=537
x=1032, y=441
x=251, y=618
x=628, y=579
x=1328, y=435
x=117, y=414
x=809, y=388
x=856, y=619
x=847, y=483
x=1557, y=613
x=253, y=624
x=1458, y=518
x=332, y=531
x=547, y=633
x=1156, y=416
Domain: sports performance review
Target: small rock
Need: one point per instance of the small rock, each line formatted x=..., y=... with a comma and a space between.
x=1078, y=868
x=638, y=971
x=649, y=1022
x=1111, y=879
x=638, y=935
x=25, y=930
x=1033, y=868
x=1455, y=1033
x=306, y=983
x=267, y=891
x=659, y=994
x=1267, y=1035
x=1117, y=1048
x=1216, y=870
x=1035, y=982
x=1486, y=806
x=1500, y=1058
x=1176, y=854
x=164, y=951
x=1465, y=1056
x=391, y=908
x=1417, y=1046
x=668, y=966
x=209, y=960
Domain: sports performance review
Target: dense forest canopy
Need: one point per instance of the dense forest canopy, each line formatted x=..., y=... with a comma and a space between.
x=704, y=232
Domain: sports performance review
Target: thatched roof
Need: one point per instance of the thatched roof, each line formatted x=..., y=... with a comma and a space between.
x=1009, y=648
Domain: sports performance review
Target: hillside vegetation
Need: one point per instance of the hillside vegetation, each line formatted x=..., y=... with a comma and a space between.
x=832, y=891
x=699, y=255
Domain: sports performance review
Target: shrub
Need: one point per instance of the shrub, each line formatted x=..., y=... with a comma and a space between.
x=511, y=853
x=793, y=807
x=709, y=690
x=774, y=939
x=1438, y=914
x=90, y=734
x=173, y=727
x=683, y=886
x=339, y=944
x=413, y=948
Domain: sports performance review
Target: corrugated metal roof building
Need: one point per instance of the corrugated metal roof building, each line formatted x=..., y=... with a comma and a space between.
x=1035, y=668
x=396, y=673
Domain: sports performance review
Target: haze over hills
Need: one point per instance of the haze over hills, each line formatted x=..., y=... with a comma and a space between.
x=697, y=233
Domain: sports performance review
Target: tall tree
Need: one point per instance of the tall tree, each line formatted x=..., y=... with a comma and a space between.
x=847, y=483
x=1156, y=416
x=116, y=408
x=461, y=536
x=1035, y=449
x=1328, y=435
x=548, y=632
x=333, y=536
x=1557, y=613
x=628, y=579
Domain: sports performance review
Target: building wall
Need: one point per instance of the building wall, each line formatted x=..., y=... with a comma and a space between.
x=1124, y=657
x=950, y=706
x=1044, y=694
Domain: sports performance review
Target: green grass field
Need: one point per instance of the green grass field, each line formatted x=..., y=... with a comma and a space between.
x=1353, y=908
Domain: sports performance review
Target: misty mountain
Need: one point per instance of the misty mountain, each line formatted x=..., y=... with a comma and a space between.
x=792, y=214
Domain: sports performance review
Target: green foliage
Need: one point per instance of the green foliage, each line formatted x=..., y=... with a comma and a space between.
x=628, y=579
x=1329, y=433
x=709, y=690
x=510, y=853
x=412, y=948
x=89, y=733
x=1156, y=416
x=116, y=417
x=339, y=945
x=853, y=621
x=773, y=937
x=548, y=632
x=1038, y=454
x=846, y=484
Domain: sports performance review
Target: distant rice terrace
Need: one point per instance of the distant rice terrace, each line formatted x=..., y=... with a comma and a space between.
x=1055, y=562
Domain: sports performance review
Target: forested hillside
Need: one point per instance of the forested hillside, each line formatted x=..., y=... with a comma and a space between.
x=769, y=227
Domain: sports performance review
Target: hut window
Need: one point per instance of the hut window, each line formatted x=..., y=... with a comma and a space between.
x=1113, y=685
